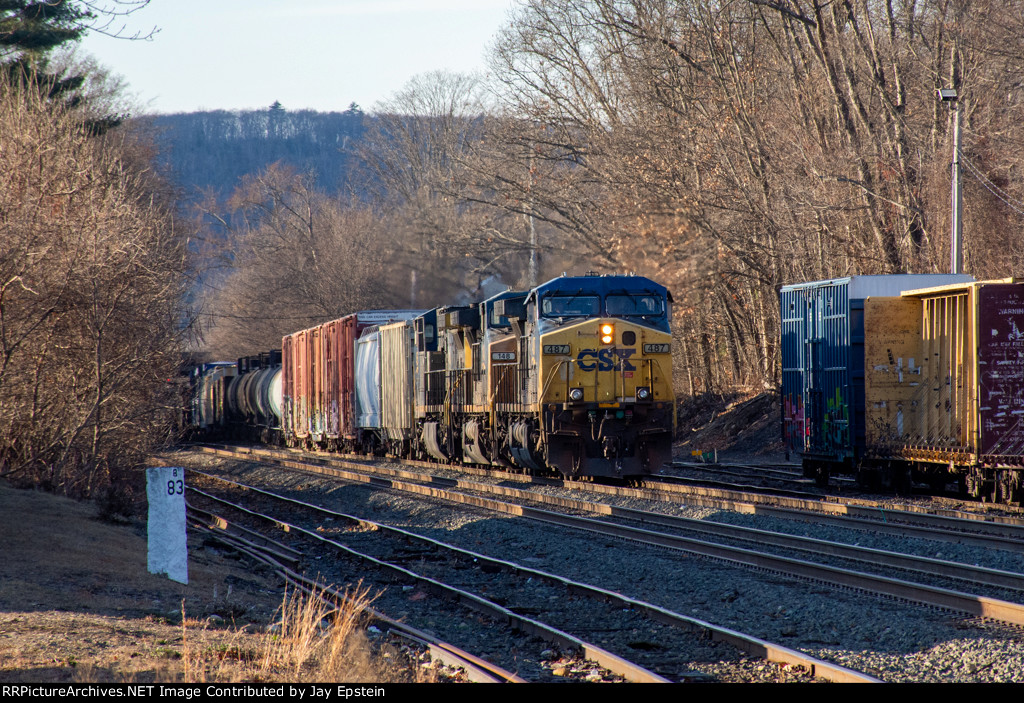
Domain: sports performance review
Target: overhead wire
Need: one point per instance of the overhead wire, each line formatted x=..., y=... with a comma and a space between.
x=1016, y=205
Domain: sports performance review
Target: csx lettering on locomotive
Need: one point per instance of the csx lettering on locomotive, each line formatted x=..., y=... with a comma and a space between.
x=606, y=359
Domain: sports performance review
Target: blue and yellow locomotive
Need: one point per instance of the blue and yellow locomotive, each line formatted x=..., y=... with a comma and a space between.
x=573, y=376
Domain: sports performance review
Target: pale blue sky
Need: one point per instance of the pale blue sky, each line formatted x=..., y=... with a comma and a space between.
x=319, y=54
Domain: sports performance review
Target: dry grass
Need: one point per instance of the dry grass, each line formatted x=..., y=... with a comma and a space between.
x=313, y=640
x=77, y=604
x=317, y=641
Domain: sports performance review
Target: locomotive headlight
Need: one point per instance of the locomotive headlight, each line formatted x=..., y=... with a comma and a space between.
x=576, y=394
x=643, y=393
x=607, y=333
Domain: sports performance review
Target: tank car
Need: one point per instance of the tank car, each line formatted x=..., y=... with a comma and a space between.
x=254, y=398
x=209, y=383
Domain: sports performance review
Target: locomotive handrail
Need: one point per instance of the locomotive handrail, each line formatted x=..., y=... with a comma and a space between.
x=547, y=383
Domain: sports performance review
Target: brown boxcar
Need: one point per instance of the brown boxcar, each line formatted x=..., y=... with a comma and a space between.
x=303, y=386
x=339, y=342
x=319, y=379
x=944, y=384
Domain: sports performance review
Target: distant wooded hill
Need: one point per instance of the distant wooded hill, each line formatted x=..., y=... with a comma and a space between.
x=213, y=150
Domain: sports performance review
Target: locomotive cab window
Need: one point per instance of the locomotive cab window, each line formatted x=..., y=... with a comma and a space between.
x=424, y=336
x=570, y=306
x=498, y=321
x=635, y=305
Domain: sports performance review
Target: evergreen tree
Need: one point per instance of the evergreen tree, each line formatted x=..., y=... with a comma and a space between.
x=30, y=31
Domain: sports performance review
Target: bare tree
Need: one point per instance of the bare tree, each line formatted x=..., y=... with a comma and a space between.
x=91, y=282
x=729, y=148
x=423, y=157
x=299, y=258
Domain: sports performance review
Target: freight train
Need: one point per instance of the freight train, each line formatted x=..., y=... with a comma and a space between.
x=573, y=376
x=903, y=378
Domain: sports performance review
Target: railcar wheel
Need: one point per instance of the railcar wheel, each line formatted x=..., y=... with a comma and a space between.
x=974, y=481
x=1008, y=484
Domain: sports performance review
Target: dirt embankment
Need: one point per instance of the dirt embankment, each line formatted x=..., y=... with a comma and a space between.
x=737, y=426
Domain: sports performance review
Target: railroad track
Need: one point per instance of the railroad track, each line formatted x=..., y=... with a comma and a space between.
x=284, y=560
x=657, y=633
x=434, y=485
x=988, y=530
x=972, y=604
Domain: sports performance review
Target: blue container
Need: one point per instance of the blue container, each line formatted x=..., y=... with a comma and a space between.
x=823, y=361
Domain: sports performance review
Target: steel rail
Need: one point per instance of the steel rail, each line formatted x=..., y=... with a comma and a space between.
x=906, y=562
x=959, y=529
x=751, y=645
x=1004, y=525
x=925, y=565
x=478, y=670
x=614, y=663
x=971, y=604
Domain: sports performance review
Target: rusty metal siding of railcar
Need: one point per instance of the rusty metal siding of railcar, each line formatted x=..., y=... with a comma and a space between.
x=288, y=385
x=318, y=384
x=302, y=398
x=397, y=342
x=1001, y=372
x=350, y=330
x=332, y=344
x=338, y=403
x=948, y=418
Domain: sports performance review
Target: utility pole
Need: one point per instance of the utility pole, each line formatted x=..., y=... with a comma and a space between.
x=956, y=256
x=529, y=220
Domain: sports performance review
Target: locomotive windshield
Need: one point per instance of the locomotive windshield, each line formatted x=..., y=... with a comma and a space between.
x=634, y=305
x=571, y=306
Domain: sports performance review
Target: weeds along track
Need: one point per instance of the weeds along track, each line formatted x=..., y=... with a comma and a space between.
x=346, y=608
